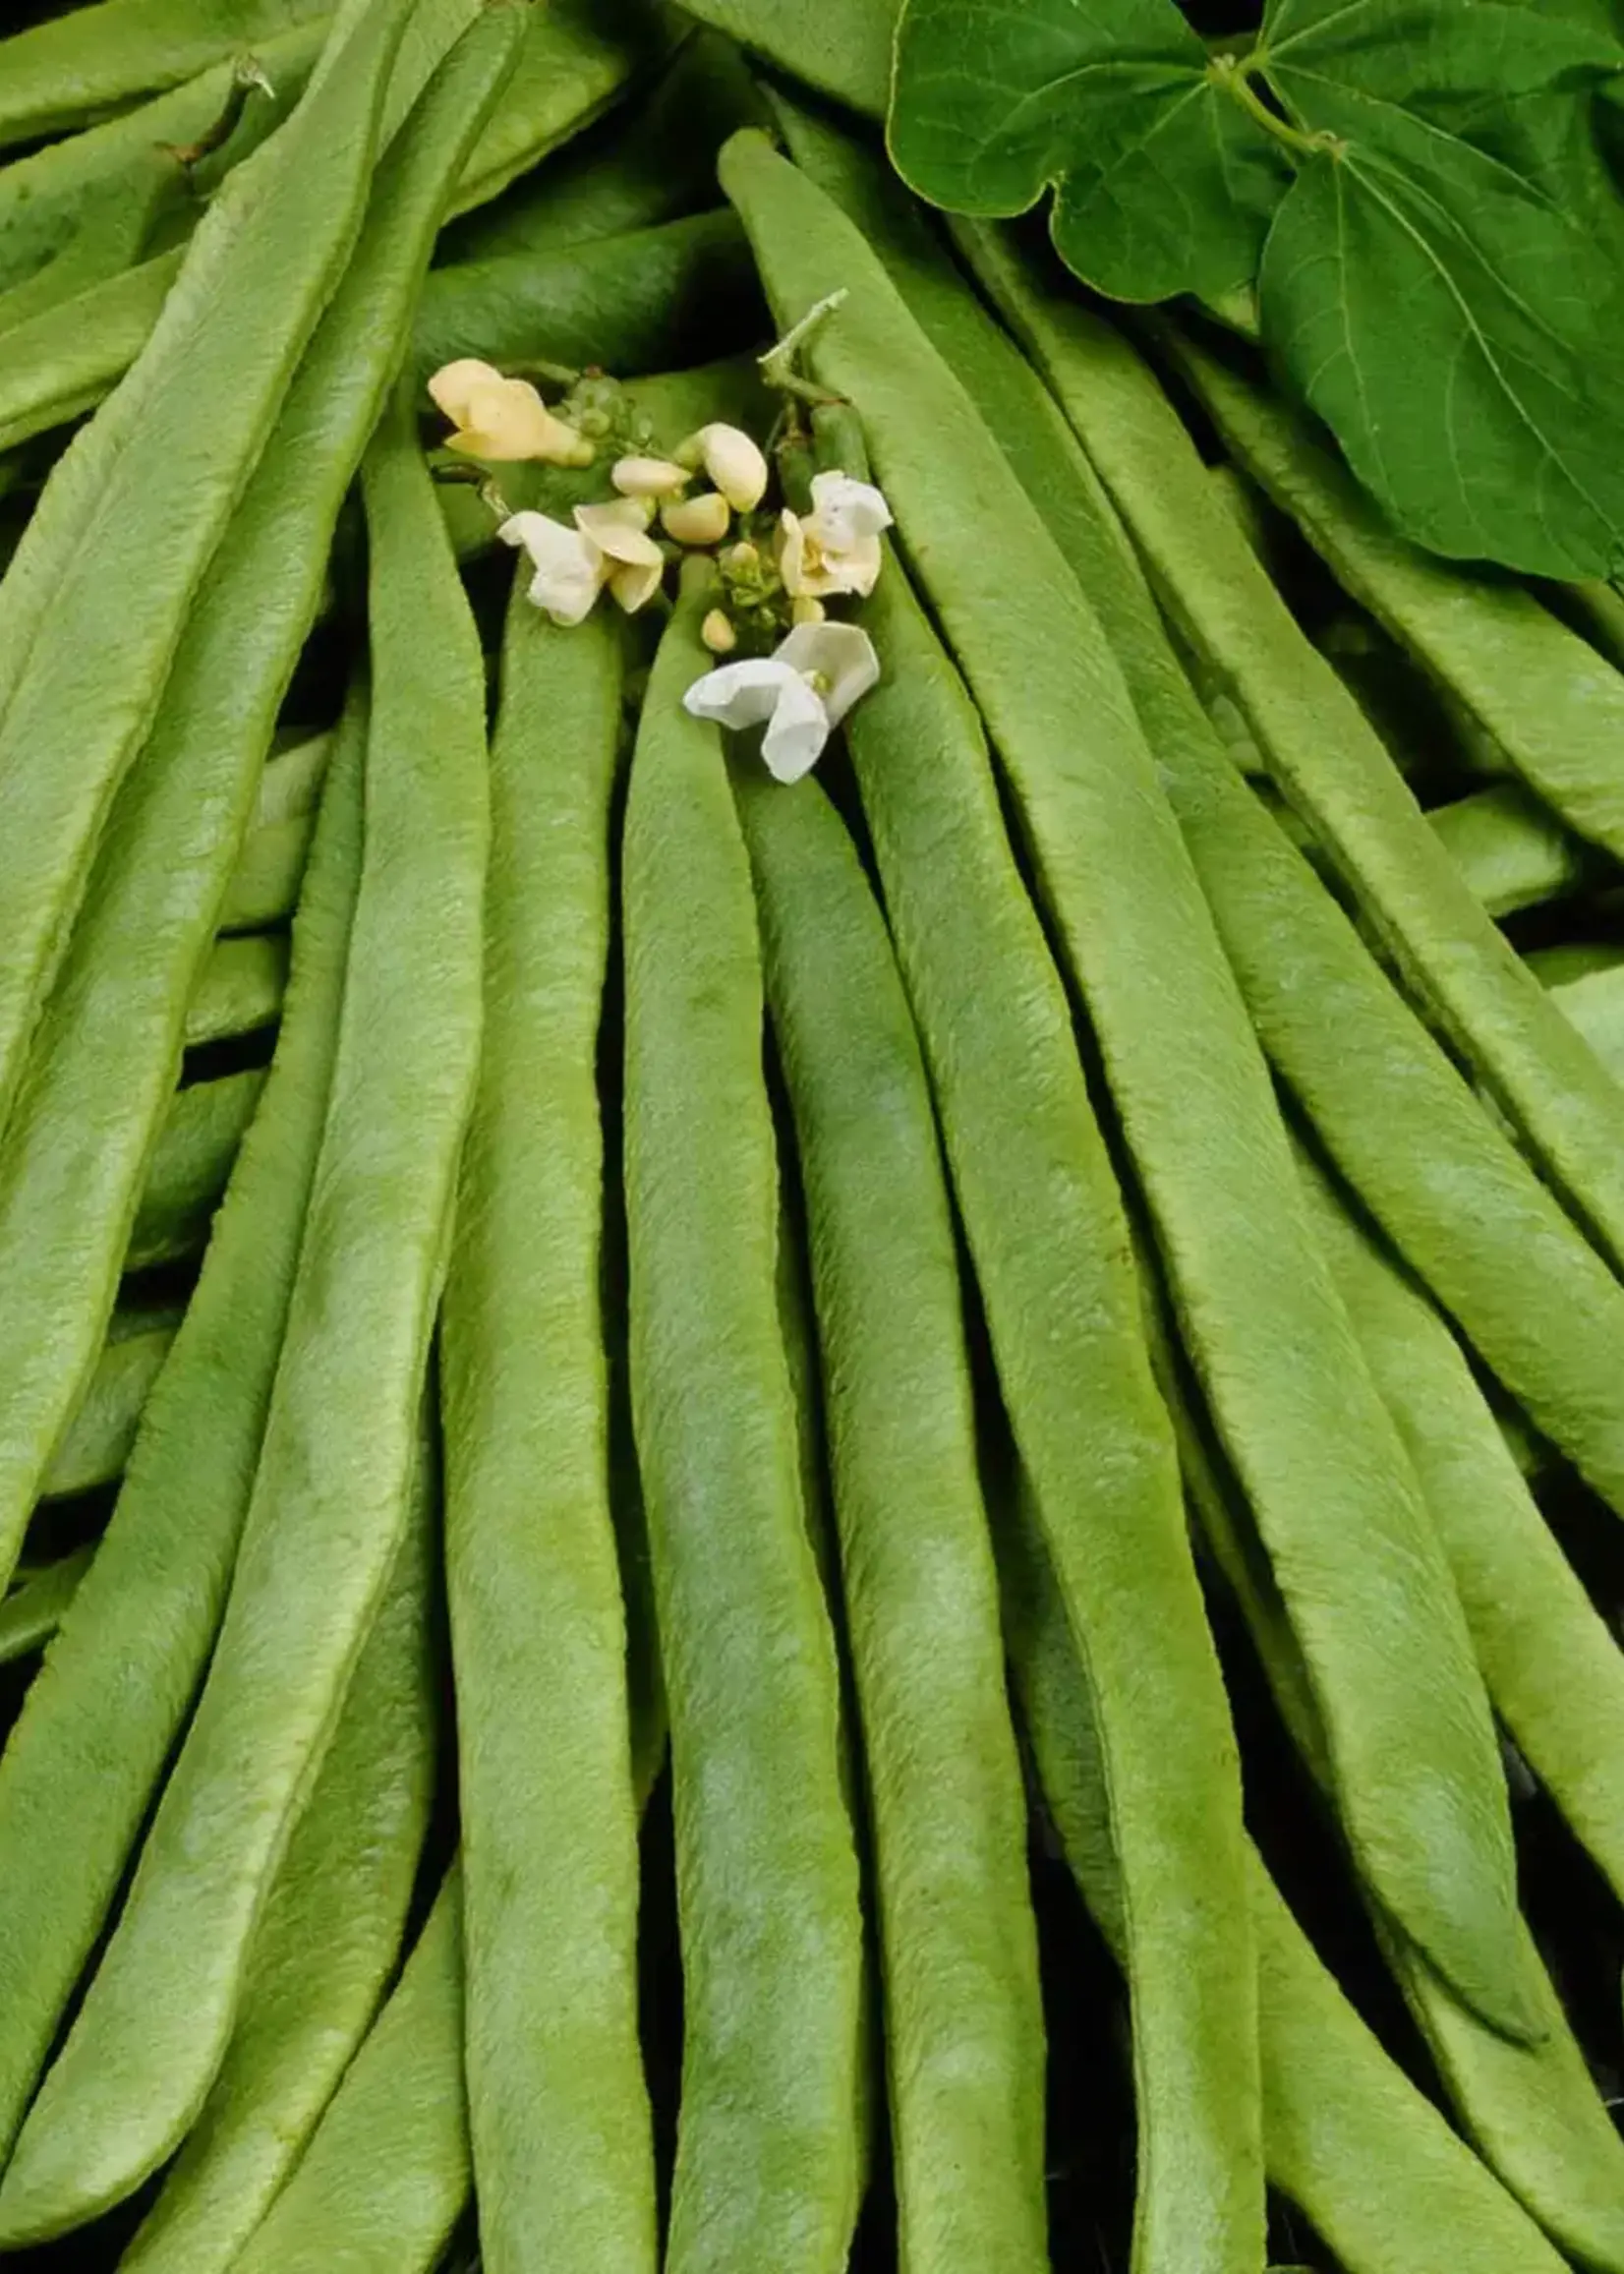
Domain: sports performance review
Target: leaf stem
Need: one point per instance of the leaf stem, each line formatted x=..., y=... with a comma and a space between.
x=1235, y=75
x=776, y=366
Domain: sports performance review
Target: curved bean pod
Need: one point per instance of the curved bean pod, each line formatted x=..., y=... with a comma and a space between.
x=1327, y=758
x=1336, y=2107
x=89, y=578
x=1511, y=850
x=655, y=300
x=331, y=1494
x=963, y=2020
x=57, y=75
x=35, y=1608
x=1366, y=1586
x=103, y=1058
x=331, y=1936
x=842, y=46
x=1550, y=704
x=562, y=2137
x=767, y=1879
x=98, y=1442
x=387, y=2173
x=188, y=1167
x=239, y=990
x=70, y=357
x=97, y=1730
x=1046, y=1234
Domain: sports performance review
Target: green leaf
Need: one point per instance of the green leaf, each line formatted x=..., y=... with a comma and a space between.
x=1458, y=333
x=1162, y=182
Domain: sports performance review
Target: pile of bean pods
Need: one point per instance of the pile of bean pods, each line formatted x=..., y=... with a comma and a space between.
x=758, y=1526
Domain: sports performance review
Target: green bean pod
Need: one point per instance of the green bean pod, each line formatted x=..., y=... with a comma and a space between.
x=578, y=56
x=1407, y=1131
x=137, y=507
x=103, y=1058
x=1511, y=850
x=69, y=357
x=44, y=195
x=189, y=1168
x=331, y=1494
x=63, y=72
x=331, y=1936
x=651, y=163
x=841, y=46
x=562, y=2137
x=1046, y=1234
x=387, y=2173
x=1514, y=666
x=97, y=1730
x=656, y=300
x=264, y=883
x=98, y=1442
x=1389, y=2187
x=963, y=2018
x=110, y=236
x=1326, y=757
x=1366, y=1586
x=1595, y=1002
x=767, y=1878
x=239, y=990
x=34, y=1609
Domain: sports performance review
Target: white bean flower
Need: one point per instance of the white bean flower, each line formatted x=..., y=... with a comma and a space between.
x=502, y=420
x=801, y=692
x=836, y=548
x=610, y=544
x=734, y=462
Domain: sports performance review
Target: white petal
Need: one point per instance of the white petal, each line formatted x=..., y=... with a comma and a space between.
x=806, y=574
x=620, y=529
x=634, y=584
x=734, y=464
x=845, y=510
x=843, y=657
x=454, y=385
x=796, y=733
x=743, y=694
x=569, y=567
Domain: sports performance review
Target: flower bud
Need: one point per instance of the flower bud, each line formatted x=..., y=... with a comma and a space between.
x=701, y=520
x=808, y=611
x=734, y=464
x=718, y=633
x=638, y=477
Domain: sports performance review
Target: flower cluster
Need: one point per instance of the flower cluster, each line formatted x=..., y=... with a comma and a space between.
x=789, y=668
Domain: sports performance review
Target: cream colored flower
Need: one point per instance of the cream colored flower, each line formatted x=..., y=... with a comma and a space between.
x=610, y=544
x=502, y=420
x=701, y=520
x=648, y=478
x=734, y=462
x=718, y=633
x=836, y=548
x=801, y=694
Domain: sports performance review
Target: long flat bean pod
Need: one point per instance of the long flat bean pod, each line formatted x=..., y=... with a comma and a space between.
x=264, y=883
x=562, y=2137
x=577, y=58
x=632, y=171
x=1366, y=1583
x=1454, y=1195
x=654, y=300
x=330, y=1499
x=44, y=195
x=188, y=1169
x=70, y=357
x=842, y=46
x=1049, y=1248
x=1337, y=2110
x=331, y=1936
x=387, y=2173
x=136, y=508
x=239, y=990
x=98, y=1442
x=963, y=2020
x=34, y=1609
x=1511, y=850
x=767, y=1879
x=102, y=1060
x=1532, y=2108
x=1553, y=706
x=1322, y=750
x=82, y=1764
x=112, y=234
x=59, y=75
